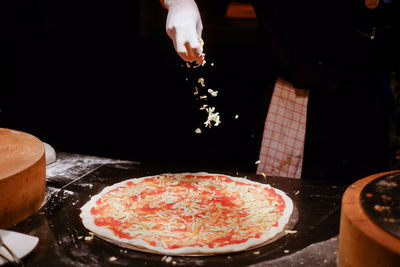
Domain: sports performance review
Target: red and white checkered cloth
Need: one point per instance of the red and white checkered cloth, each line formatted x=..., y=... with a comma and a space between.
x=282, y=145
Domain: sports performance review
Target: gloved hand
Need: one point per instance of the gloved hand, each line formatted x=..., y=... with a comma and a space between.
x=184, y=27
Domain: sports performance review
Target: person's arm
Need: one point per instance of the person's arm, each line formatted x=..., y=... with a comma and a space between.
x=184, y=27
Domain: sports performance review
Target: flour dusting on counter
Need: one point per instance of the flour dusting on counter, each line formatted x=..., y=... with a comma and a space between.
x=72, y=166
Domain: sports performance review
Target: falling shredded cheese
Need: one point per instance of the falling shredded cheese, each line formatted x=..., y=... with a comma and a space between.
x=201, y=64
x=204, y=107
x=212, y=117
x=201, y=81
x=212, y=92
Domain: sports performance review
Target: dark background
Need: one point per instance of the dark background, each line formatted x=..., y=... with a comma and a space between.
x=102, y=78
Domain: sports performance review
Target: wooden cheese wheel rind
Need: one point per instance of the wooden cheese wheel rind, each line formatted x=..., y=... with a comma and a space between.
x=22, y=176
x=361, y=241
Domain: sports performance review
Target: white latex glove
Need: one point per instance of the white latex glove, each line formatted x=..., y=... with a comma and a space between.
x=184, y=27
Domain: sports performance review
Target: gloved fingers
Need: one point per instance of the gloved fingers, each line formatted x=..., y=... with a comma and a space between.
x=200, y=59
x=199, y=29
x=184, y=26
x=181, y=48
x=197, y=51
x=184, y=54
x=193, y=45
x=188, y=47
x=195, y=54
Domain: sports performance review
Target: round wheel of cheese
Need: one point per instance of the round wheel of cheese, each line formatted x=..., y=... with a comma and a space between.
x=362, y=239
x=22, y=176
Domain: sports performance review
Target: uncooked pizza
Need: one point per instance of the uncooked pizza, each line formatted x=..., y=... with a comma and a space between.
x=188, y=213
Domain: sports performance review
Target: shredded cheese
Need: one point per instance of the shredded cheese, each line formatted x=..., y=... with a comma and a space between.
x=212, y=92
x=204, y=107
x=212, y=117
x=189, y=209
x=89, y=237
x=201, y=81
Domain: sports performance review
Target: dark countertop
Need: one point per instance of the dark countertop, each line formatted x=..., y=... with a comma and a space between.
x=73, y=178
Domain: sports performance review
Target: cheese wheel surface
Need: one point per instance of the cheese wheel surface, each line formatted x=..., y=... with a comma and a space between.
x=22, y=176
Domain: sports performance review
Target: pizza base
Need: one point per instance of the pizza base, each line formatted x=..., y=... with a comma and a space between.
x=290, y=225
x=141, y=245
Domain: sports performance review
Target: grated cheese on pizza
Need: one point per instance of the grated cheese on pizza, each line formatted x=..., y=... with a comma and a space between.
x=188, y=213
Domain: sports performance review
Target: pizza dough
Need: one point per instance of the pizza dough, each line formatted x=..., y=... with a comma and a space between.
x=188, y=214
